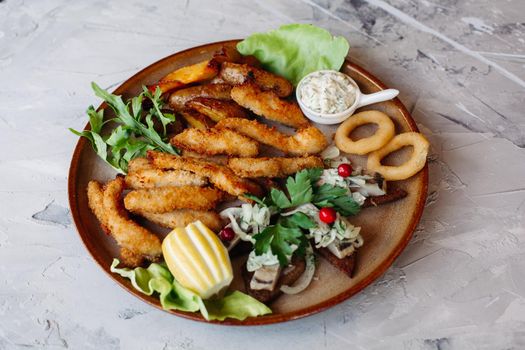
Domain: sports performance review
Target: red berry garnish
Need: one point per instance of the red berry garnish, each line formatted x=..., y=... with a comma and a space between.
x=327, y=215
x=344, y=170
x=227, y=234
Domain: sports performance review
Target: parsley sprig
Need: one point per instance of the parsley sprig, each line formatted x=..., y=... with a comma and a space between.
x=135, y=132
x=288, y=230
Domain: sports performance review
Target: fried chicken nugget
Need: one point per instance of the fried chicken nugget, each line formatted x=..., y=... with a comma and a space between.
x=151, y=178
x=272, y=167
x=166, y=199
x=183, y=217
x=213, y=142
x=220, y=176
x=309, y=140
x=136, y=242
x=217, y=91
x=268, y=105
x=237, y=74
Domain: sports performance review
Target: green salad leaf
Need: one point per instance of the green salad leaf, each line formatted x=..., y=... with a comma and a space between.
x=295, y=50
x=135, y=132
x=156, y=278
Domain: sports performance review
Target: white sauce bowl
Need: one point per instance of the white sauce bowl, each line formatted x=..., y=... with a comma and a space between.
x=336, y=118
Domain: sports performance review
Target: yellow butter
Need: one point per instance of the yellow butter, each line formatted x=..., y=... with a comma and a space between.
x=197, y=259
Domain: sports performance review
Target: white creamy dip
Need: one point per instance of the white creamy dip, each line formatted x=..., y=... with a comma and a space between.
x=328, y=92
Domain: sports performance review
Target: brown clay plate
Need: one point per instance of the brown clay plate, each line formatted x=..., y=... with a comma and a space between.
x=386, y=229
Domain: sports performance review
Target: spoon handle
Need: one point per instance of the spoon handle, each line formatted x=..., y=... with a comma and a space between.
x=380, y=96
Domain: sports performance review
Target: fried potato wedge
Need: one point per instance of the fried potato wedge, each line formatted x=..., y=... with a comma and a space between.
x=179, y=98
x=268, y=105
x=220, y=176
x=273, y=167
x=212, y=142
x=196, y=120
x=217, y=109
x=151, y=178
x=136, y=242
x=166, y=199
x=183, y=217
x=309, y=140
x=194, y=73
x=238, y=74
x=227, y=53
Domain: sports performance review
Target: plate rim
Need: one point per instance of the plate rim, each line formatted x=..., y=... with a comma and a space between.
x=272, y=318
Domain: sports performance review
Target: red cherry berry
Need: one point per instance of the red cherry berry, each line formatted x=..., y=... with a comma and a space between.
x=227, y=234
x=344, y=170
x=327, y=215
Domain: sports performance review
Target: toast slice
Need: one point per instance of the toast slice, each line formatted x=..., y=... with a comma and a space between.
x=391, y=196
x=289, y=275
x=346, y=265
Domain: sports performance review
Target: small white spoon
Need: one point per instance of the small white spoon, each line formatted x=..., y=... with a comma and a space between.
x=361, y=100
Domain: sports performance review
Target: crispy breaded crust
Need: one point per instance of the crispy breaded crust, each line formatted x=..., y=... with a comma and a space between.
x=309, y=140
x=213, y=142
x=218, y=91
x=166, y=199
x=217, y=109
x=139, y=164
x=151, y=178
x=183, y=217
x=237, y=74
x=220, y=176
x=136, y=241
x=221, y=160
x=95, y=196
x=268, y=105
x=272, y=167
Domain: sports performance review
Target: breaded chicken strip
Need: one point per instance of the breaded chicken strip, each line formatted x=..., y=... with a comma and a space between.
x=221, y=160
x=272, y=167
x=213, y=142
x=220, y=176
x=95, y=195
x=166, y=199
x=309, y=140
x=217, y=91
x=217, y=109
x=238, y=74
x=139, y=164
x=183, y=217
x=150, y=178
x=268, y=105
x=136, y=242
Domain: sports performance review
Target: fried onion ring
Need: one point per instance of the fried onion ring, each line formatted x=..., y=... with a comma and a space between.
x=410, y=167
x=383, y=134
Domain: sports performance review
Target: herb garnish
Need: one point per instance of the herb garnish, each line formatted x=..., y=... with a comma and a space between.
x=135, y=133
x=287, y=232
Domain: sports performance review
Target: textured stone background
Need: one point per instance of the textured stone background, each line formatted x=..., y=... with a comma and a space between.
x=460, y=66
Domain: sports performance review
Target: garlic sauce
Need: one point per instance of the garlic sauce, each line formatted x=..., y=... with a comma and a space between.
x=328, y=92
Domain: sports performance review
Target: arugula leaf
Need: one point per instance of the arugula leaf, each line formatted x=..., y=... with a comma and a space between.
x=135, y=132
x=280, y=239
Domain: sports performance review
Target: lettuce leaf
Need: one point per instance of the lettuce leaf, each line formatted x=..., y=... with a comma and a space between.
x=295, y=50
x=173, y=296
